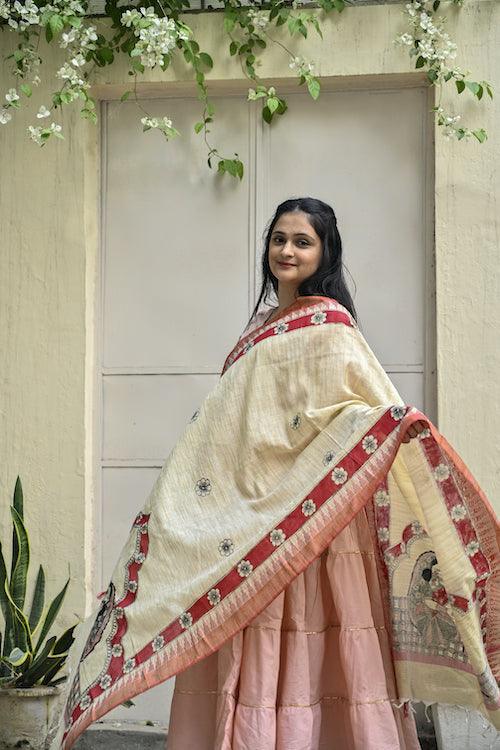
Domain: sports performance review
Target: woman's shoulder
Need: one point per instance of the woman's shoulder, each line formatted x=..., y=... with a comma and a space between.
x=260, y=317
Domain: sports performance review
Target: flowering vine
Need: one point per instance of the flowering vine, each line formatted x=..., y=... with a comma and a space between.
x=151, y=36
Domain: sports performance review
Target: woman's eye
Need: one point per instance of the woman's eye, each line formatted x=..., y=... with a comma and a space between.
x=278, y=239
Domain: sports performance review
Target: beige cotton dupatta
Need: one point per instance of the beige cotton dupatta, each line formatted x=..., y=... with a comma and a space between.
x=303, y=429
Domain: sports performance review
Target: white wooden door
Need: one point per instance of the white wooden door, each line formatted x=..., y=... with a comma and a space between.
x=181, y=253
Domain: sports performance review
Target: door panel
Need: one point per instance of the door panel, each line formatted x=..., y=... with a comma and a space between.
x=181, y=259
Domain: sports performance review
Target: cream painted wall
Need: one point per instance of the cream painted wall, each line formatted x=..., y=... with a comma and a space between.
x=49, y=200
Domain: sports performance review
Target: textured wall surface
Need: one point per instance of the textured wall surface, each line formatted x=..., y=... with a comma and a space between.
x=49, y=200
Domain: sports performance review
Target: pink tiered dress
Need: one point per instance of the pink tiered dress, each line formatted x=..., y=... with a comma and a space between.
x=313, y=671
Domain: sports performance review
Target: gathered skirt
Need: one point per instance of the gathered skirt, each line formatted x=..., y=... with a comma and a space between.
x=313, y=671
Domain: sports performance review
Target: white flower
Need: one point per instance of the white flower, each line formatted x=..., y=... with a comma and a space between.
x=5, y=116
x=382, y=498
x=132, y=586
x=119, y=612
x=213, y=596
x=129, y=665
x=472, y=548
x=78, y=60
x=417, y=527
x=43, y=111
x=441, y=472
x=12, y=95
x=308, y=507
x=67, y=38
x=260, y=19
x=226, y=547
x=406, y=39
x=328, y=457
x=186, y=619
x=36, y=80
x=318, y=318
x=383, y=534
x=116, y=649
x=35, y=134
x=398, y=412
x=277, y=537
x=244, y=568
x=158, y=642
x=425, y=433
x=105, y=681
x=370, y=443
x=281, y=327
x=339, y=475
x=458, y=512
x=203, y=486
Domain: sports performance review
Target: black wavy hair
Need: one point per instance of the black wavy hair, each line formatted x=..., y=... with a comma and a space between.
x=328, y=280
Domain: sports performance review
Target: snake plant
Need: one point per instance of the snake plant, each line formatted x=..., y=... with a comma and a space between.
x=28, y=656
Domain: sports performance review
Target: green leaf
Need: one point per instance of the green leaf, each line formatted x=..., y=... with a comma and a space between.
x=125, y=96
x=18, y=504
x=198, y=127
x=39, y=665
x=20, y=626
x=267, y=115
x=272, y=104
x=316, y=25
x=48, y=33
x=460, y=86
x=137, y=66
x=51, y=615
x=233, y=48
x=26, y=89
x=62, y=645
x=37, y=601
x=4, y=602
x=17, y=657
x=20, y=573
x=87, y=114
x=472, y=86
x=55, y=664
x=206, y=59
x=8, y=642
x=105, y=55
x=420, y=62
x=481, y=135
x=314, y=87
x=56, y=23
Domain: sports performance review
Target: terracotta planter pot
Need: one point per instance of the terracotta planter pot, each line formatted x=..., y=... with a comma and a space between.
x=25, y=716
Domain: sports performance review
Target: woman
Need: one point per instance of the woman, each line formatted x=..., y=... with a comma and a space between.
x=302, y=565
x=277, y=684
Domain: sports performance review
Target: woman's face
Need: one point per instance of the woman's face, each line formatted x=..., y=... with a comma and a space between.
x=294, y=241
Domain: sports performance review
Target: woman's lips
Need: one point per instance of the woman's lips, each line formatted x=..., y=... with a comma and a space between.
x=286, y=265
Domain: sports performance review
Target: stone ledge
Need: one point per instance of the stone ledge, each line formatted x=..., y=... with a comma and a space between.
x=122, y=737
